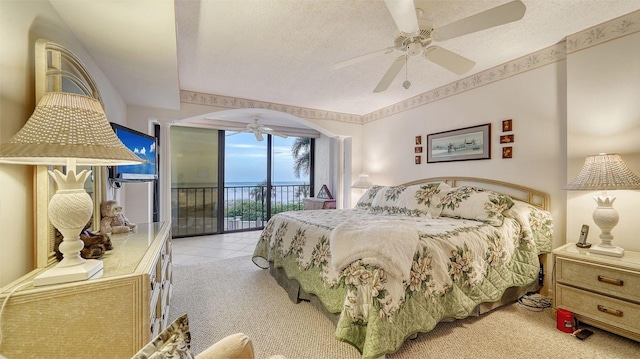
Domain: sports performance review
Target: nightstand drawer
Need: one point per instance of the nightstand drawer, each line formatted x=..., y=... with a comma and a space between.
x=603, y=279
x=611, y=311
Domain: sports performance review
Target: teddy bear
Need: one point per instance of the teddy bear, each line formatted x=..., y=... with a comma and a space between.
x=95, y=245
x=113, y=220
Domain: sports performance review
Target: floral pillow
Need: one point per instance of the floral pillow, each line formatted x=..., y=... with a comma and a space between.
x=416, y=201
x=173, y=342
x=422, y=199
x=476, y=204
x=385, y=200
x=368, y=196
x=535, y=224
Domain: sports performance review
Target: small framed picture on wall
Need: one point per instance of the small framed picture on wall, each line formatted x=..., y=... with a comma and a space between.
x=507, y=152
x=507, y=125
x=506, y=139
x=418, y=160
x=418, y=140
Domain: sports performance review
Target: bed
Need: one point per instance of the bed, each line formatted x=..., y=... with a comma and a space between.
x=409, y=256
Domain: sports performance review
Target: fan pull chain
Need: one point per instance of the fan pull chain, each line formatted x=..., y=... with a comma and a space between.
x=406, y=84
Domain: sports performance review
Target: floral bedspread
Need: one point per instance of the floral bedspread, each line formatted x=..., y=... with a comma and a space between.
x=458, y=264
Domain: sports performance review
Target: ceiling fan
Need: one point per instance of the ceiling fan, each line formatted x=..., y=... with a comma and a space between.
x=258, y=130
x=416, y=34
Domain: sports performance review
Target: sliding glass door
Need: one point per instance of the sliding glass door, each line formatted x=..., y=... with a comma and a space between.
x=290, y=173
x=226, y=181
x=194, y=181
x=245, y=181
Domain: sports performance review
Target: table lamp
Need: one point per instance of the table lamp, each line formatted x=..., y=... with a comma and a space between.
x=68, y=130
x=363, y=182
x=605, y=172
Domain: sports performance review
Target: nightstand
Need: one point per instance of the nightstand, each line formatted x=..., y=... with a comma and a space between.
x=600, y=290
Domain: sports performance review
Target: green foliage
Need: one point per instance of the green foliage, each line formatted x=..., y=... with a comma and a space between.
x=250, y=210
x=301, y=151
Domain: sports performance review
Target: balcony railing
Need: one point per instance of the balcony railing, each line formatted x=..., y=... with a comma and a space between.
x=194, y=210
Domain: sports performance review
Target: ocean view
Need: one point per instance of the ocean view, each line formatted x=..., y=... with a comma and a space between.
x=275, y=183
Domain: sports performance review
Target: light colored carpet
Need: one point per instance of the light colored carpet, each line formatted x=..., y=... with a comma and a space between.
x=233, y=295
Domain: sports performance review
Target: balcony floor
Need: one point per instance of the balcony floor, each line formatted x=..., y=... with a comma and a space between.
x=190, y=250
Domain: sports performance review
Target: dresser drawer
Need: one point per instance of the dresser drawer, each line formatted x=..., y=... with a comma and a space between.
x=611, y=311
x=606, y=280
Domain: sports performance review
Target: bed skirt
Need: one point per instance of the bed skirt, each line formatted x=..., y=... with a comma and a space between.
x=297, y=294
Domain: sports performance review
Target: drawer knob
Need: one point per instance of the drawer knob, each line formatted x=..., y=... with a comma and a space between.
x=603, y=279
x=603, y=309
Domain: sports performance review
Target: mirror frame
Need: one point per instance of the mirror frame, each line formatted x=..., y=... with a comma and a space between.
x=56, y=66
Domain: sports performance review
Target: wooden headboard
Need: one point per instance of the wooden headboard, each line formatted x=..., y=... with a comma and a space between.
x=532, y=196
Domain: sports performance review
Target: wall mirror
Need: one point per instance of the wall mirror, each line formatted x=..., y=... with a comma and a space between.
x=59, y=70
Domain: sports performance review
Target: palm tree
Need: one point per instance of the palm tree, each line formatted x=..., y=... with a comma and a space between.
x=258, y=191
x=301, y=153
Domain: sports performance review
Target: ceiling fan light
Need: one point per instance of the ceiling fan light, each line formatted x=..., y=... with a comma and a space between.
x=414, y=48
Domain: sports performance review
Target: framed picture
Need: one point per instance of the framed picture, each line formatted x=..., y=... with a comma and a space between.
x=418, y=160
x=418, y=149
x=324, y=193
x=506, y=139
x=469, y=143
x=418, y=140
x=507, y=152
x=507, y=125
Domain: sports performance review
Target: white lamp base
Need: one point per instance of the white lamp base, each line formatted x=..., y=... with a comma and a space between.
x=606, y=217
x=92, y=268
x=607, y=250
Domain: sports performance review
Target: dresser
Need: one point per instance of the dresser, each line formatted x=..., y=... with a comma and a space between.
x=600, y=290
x=109, y=317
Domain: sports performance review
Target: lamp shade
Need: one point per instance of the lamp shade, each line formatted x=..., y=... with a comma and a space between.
x=362, y=182
x=604, y=172
x=63, y=126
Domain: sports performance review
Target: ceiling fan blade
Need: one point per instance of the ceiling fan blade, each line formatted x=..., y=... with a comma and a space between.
x=499, y=15
x=391, y=74
x=449, y=60
x=404, y=15
x=258, y=136
x=361, y=58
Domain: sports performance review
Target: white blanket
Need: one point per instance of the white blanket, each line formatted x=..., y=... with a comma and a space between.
x=389, y=244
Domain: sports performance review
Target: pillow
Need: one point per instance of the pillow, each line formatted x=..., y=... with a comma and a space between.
x=422, y=200
x=368, y=196
x=416, y=200
x=476, y=204
x=385, y=199
x=535, y=224
x=173, y=342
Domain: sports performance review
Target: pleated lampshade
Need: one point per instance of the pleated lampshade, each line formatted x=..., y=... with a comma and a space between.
x=66, y=125
x=362, y=182
x=604, y=172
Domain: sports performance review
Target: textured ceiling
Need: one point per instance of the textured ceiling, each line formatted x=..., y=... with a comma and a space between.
x=281, y=51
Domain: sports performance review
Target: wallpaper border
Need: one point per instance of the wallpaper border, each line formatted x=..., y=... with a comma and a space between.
x=610, y=30
x=237, y=103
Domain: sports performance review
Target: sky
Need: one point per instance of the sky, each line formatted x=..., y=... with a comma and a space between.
x=246, y=159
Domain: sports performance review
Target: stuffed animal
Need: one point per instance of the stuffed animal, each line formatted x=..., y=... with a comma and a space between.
x=113, y=220
x=95, y=245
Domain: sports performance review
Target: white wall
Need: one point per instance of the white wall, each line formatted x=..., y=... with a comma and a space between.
x=604, y=116
x=534, y=100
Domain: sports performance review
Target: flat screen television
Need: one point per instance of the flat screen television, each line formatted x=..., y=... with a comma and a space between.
x=144, y=146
